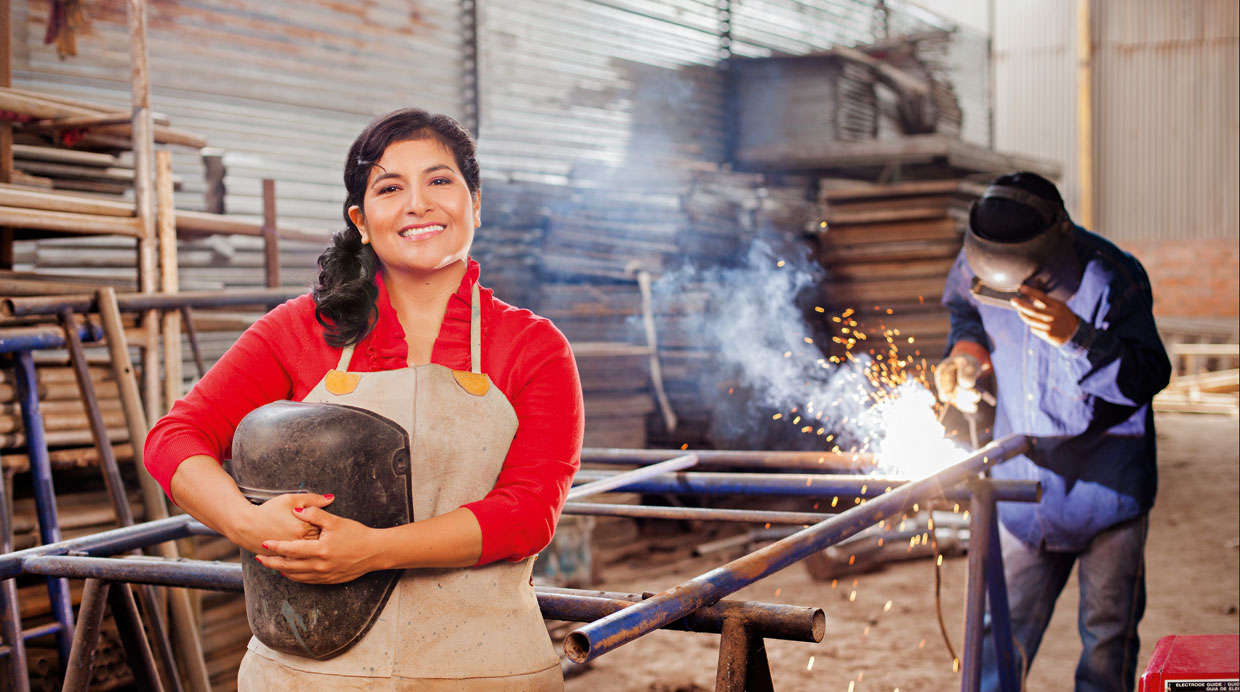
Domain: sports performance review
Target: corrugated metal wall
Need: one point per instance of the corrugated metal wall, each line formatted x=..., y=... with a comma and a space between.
x=1168, y=151
x=1165, y=109
x=281, y=87
x=1035, y=84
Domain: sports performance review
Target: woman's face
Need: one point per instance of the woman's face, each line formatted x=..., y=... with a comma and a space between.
x=417, y=213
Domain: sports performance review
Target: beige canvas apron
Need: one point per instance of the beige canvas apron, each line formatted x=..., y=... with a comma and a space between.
x=465, y=629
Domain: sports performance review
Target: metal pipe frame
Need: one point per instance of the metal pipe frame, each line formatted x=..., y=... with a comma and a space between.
x=617, y=629
x=816, y=485
x=22, y=306
x=717, y=458
x=116, y=490
x=109, y=542
x=793, y=623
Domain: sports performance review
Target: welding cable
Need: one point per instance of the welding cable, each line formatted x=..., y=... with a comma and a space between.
x=938, y=601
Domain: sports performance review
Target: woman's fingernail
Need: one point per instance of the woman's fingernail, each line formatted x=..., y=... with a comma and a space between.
x=328, y=496
x=259, y=558
x=298, y=509
x=266, y=547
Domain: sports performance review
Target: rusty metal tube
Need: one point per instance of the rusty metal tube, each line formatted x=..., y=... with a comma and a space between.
x=626, y=625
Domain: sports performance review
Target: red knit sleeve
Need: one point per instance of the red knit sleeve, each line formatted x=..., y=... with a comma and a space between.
x=519, y=515
x=256, y=370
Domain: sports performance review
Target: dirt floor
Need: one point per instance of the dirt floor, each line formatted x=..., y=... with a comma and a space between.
x=886, y=636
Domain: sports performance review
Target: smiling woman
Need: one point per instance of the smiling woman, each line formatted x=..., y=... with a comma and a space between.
x=398, y=382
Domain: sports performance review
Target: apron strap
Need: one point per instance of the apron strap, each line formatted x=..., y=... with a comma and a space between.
x=346, y=355
x=475, y=331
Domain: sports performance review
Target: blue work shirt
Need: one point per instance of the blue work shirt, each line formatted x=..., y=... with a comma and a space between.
x=1086, y=402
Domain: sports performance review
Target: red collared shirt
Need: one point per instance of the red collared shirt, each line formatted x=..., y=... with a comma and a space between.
x=283, y=356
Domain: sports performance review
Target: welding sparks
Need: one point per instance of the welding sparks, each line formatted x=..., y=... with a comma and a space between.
x=915, y=445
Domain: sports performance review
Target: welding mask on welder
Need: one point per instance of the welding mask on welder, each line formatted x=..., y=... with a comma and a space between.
x=1015, y=238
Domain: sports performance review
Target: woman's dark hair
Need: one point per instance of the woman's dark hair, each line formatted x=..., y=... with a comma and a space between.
x=345, y=293
x=1007, y=221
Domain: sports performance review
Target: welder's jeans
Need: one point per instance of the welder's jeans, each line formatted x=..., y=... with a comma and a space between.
x=1111, y=574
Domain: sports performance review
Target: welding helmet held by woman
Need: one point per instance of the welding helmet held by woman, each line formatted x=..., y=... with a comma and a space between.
x=362, y=458
x=1028, y=242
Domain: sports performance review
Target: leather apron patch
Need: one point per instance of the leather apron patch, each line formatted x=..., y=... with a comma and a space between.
x=475, y=383
x=339, y=382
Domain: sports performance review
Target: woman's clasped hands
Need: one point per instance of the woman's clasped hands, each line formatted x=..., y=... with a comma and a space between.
x=322, y=548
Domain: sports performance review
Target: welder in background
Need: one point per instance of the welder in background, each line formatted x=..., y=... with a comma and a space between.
x=1062, y=319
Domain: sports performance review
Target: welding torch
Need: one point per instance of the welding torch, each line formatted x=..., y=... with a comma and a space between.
x=971, y=418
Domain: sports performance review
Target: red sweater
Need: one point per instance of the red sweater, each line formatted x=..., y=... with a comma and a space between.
x=283, y=356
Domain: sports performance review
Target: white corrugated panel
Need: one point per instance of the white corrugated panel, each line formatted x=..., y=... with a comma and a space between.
x=283, y=87
x=1167, y=146
x=1035, y=84
x=1165, y=109
x=569, y=83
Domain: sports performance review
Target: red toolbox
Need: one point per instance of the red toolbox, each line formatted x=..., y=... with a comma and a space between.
x=1205, y=662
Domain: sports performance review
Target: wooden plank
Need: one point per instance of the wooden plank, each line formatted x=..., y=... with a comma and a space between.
x=67, y=222
x=1219, y=350
x=845, y=216
x=18, y=196
x=889, y=252
x=854, y=190
x=843, y=235
x=874, y=271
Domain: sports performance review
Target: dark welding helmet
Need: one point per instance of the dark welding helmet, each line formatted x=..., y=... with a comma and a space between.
x=1043, y=257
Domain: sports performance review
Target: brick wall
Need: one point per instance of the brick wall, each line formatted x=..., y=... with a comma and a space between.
x=1198, y=278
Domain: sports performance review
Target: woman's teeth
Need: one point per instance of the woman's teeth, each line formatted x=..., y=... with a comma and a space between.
x=419, y=231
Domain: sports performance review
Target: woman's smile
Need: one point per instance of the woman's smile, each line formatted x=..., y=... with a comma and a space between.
x=421, y=232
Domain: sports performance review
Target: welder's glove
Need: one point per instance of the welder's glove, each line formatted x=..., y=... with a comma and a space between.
x=956, y=379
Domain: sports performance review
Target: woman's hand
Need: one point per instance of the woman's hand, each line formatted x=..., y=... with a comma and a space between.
x=343, y=550
x=278, y=519
x=1049, y=319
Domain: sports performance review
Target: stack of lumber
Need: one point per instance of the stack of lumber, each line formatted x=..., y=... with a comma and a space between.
x=1205, y=379
x=89, y=126
x=887, y=250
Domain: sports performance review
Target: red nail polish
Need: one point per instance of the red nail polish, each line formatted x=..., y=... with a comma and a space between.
x=328, y=496
x=266, y=547
x=297, y=509
x=259, y=558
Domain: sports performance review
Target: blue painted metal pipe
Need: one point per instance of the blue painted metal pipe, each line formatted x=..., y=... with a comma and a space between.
x=694, y=513
x=817, y=485
x=44, y=494
x=982, y=514
x=1000, y=615
x=17, y=339
x=626, y=625
x=773, y=620
x=110, y=542
x=33, y=633
x=617, y=480
x=195, y=574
